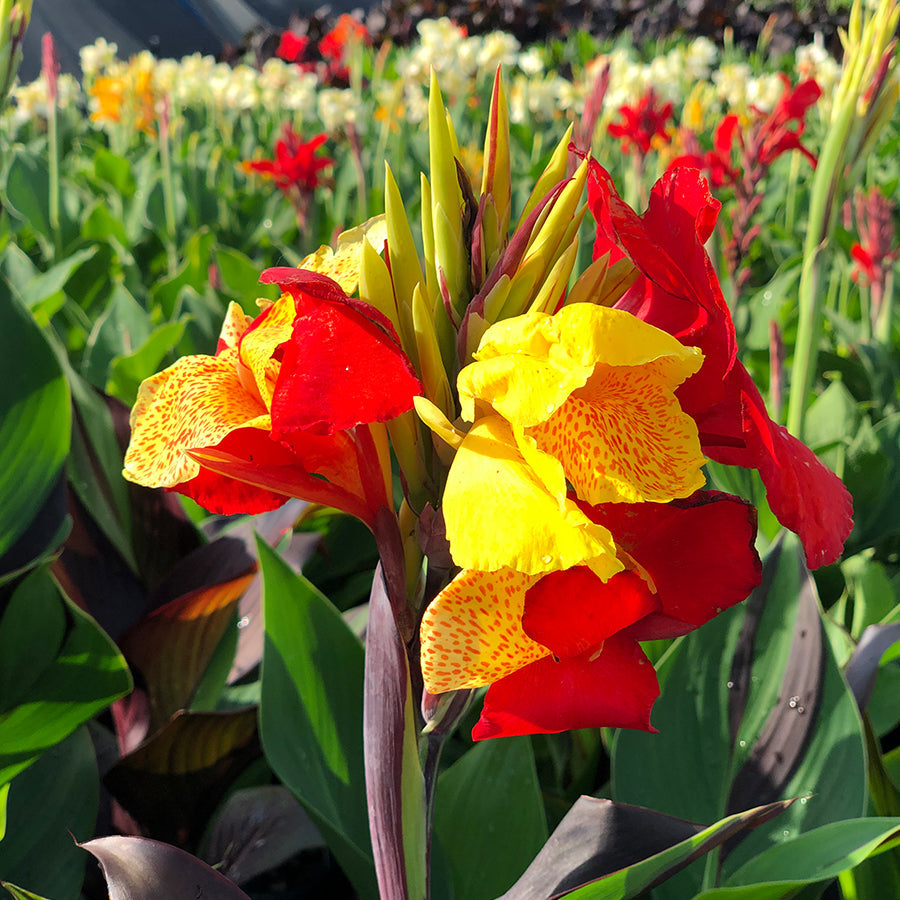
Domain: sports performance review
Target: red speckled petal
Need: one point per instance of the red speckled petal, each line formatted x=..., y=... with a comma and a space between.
x=472, y=633
x=623, y=438
x=194, y=403
x=615, y=689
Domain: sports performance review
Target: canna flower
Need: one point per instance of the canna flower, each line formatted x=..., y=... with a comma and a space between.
x=680, y=293
x=560, y=650
x=287, y=407
x=643, y=125
x=346, y=32
x=295, y=167
x=130, y=97
x=292, y=47
x=585, y=396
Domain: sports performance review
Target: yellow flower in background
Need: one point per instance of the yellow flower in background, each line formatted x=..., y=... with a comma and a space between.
x=130, y=97
x=586, y=398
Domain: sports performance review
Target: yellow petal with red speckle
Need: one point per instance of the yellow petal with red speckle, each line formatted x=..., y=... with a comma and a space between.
x=507, y=508
x=344, y=264
x=624, y=438
x=235, y=324
x=526, y=366
x=259, y=343
x=192, y=404
x=472, y=631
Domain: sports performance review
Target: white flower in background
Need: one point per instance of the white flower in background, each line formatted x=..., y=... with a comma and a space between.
x=531, y=61
x=338, y=108
x=416, y=102
x=763, y=92
x=299, y=94
x=664, y=75
x=699, y=58
x=731, y=85
x=498, y=49
x=97, y=57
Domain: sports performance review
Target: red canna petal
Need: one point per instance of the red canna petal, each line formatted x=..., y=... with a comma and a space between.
x=615, y=689
x=699, y=552
x=227, y=496
x=343, y=365
x=572, y=611
x=805, y=495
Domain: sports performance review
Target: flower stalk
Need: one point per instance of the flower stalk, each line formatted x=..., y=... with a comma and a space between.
x=865, y=99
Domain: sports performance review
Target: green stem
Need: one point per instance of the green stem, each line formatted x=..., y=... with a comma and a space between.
x=168, y=199
x=885, y=322
x=824, y=199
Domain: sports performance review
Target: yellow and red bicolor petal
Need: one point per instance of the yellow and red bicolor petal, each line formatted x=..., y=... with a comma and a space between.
x=527, y=366
x=194, y=403
x=235, y=324
x=260, y=356
x=503, y=510
x=624, y=438
x=574, y=612
x=698, y=552
x=471, y=633
x=615, y=688
x=805, y=495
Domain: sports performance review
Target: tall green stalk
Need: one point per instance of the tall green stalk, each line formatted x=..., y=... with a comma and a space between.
x=864, y=102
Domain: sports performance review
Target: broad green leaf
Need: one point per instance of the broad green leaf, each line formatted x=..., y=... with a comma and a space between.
x=114, y=170
x=709, y=740
x=42, y=293
x=127, y=372
x=50, y=803
x=818, y=855
x=311, y=713
x=27, y=192
x=65, y=672
x=240, y=279
x=35, y=421
x=635, y=880
x=489, y=817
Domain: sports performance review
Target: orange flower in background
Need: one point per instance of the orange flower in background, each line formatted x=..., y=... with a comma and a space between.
x=347, y=31
x=130, y=97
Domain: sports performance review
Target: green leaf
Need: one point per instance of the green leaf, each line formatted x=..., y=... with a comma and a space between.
x=52, y=802
x=114, y=170
x=240, y=277
x=20, y=893
x=27, y=192
x=43, y=293
x=636, y=879
x=63, y=672
x=35, y=421
x=127, y=372
x=489, y=817
x=818, y=855
x=311, y=713
x=709, y=741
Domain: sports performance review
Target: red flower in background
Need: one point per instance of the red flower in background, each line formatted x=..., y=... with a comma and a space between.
x=642, y=123
x=292, y=47
x=295, y=167
x=680, y=293
x=741, y=158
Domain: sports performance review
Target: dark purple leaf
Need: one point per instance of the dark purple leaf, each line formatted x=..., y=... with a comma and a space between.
x=599, y=837
x=173, y=782
x=862, y=669
x=142, y=869
x=782, y=743
x=259, y=828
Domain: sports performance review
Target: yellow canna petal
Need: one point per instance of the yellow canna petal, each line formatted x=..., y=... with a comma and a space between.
x=472, y=633
x=624, y=438
x=235, y=324
x=503, y=508
x=343, y=265
x=194, y=403
x=258, y=346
